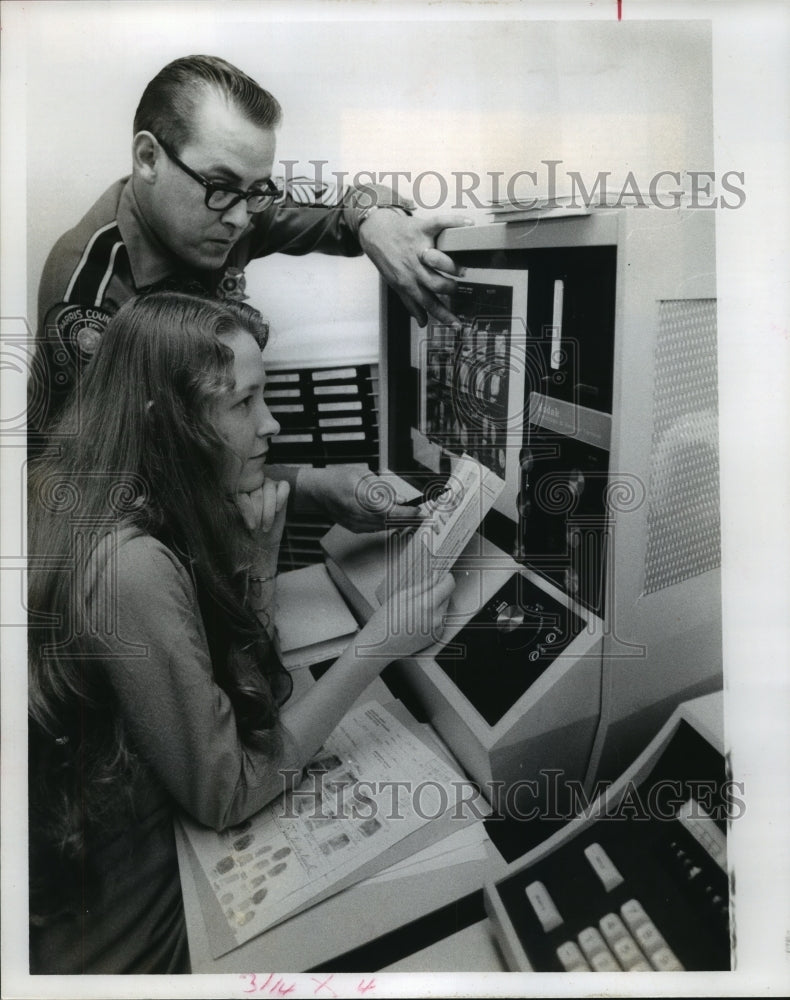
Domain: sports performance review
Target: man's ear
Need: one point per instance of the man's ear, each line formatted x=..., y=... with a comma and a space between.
x=146, y=156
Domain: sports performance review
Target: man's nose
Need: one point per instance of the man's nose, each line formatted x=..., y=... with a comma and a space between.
x=237, y=216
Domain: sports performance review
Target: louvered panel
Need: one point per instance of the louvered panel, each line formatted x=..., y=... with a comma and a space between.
x=327, y=416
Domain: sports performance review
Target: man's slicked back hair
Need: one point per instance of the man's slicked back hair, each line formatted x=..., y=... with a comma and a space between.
x=169, y=103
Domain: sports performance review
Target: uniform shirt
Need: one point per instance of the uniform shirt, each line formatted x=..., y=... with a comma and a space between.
x=113, y=254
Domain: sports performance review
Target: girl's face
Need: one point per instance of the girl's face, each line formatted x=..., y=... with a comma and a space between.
x=241, y=417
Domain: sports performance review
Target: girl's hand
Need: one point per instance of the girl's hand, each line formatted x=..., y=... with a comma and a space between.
x=263, y=511
x=411, y=620
x=261, y=508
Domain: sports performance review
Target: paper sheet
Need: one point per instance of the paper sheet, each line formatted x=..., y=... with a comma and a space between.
x=452, y=521
x=458, y=848
x=374, y=784
x=312, y=621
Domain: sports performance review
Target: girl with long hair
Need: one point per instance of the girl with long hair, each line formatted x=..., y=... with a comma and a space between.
x=153, y=541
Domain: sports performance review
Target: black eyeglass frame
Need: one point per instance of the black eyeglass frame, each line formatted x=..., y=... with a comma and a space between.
x=269, y=197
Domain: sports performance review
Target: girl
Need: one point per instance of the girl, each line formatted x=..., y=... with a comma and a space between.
x=154, y=536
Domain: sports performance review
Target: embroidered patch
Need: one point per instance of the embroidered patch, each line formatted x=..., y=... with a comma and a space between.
x=80, y=326
x=233, y=285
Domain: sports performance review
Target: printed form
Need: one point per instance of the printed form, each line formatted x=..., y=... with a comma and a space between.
x=452, y=520
x=373, y=785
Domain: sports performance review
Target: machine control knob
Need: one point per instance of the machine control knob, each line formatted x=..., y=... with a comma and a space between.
x=510, y=618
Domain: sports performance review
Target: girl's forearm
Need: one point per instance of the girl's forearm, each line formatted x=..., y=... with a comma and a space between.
x=310, y=720
x=260, y=597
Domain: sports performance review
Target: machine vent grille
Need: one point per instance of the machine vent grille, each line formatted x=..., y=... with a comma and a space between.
x=683, y=538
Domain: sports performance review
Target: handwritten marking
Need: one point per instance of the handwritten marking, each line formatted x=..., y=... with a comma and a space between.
x=619, y=10
x=323, y=985
x=279, y=988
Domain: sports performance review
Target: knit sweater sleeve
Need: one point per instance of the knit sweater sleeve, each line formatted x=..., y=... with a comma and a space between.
x=156, y=658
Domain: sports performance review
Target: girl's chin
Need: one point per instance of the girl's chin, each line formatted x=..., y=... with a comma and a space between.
x=250, y=482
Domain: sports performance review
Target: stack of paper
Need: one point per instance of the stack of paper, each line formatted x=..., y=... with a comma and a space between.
x=312, y=621
x=376, y=794
x=540, y=206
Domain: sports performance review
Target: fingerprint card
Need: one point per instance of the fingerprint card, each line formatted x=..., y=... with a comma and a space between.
x=373, y=784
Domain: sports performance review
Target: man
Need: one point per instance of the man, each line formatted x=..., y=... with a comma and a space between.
x=199, y=205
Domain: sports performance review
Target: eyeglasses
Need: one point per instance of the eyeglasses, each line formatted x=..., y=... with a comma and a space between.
x=221, y=197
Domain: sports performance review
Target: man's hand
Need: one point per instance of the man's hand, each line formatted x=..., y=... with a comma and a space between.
x=353, y=496
x=402, y=248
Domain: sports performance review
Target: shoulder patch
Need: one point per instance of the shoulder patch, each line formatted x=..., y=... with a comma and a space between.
x=233, y=285
x=78, y=327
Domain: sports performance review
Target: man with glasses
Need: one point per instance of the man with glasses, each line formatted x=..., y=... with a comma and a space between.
x=199, y=205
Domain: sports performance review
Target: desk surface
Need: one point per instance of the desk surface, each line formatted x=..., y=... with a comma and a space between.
x=474, y=949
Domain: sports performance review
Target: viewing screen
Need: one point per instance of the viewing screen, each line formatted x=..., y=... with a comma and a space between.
x=471, y=380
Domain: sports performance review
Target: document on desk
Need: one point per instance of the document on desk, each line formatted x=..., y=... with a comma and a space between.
x=450, y=522
x=312, y=621
x=375, y=794
x=465, y=846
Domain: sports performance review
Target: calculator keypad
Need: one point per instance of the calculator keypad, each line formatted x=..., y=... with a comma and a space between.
x=642, y=888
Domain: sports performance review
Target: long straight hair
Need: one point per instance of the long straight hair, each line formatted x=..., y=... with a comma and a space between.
x=136, y=452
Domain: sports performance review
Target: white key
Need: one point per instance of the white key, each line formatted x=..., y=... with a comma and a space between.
x=633, y=913
x=603, y=867
x=649, y=937
x=665, y=960
x=571, y=958
x=628, y=954
x=612, y=927
x=604, y=961
x=543, y=905
x=596, y=952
